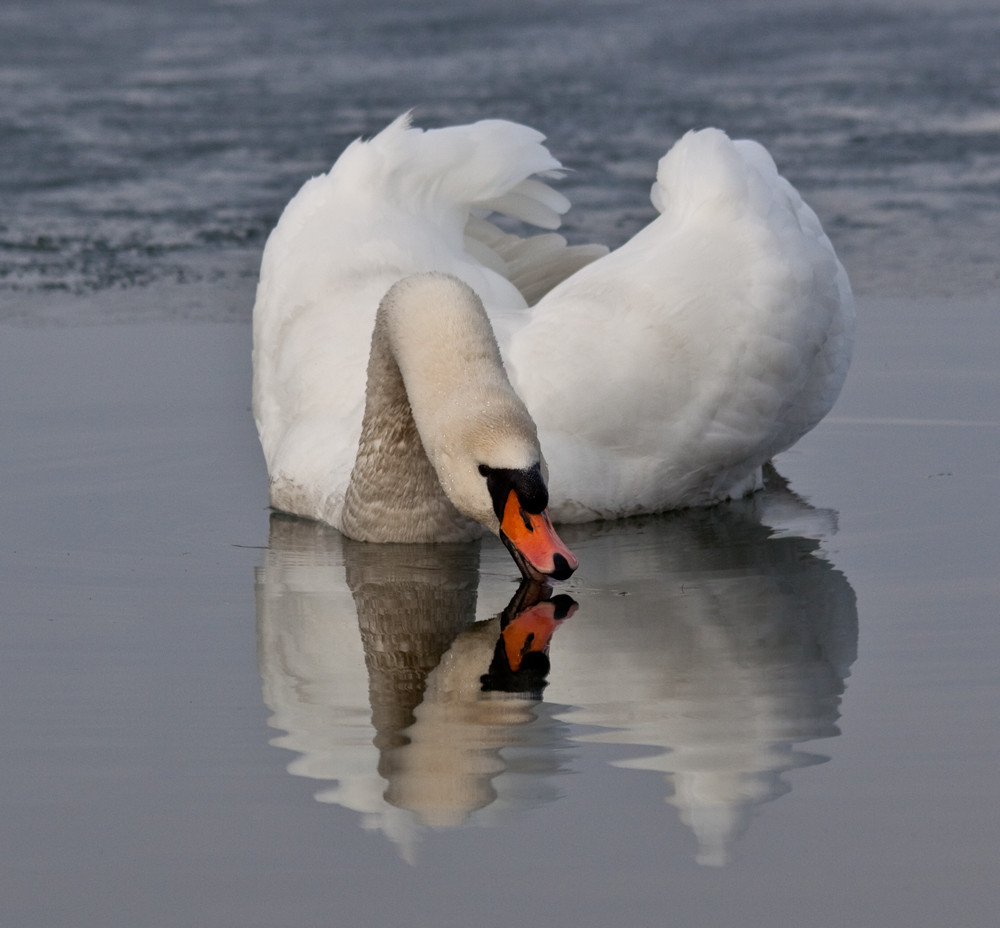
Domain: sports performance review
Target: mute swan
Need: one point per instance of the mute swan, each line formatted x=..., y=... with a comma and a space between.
x=661, y=375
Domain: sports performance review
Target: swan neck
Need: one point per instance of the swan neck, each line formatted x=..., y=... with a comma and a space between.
x=394, y=494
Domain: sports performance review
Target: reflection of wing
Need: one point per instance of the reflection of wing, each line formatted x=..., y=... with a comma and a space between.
x=312, y=665
x=731, y=649
x=380, y=688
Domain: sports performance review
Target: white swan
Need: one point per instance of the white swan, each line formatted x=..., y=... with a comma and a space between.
x=661, y=375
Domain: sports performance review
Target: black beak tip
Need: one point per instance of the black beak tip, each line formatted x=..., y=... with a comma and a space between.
x=560, y=568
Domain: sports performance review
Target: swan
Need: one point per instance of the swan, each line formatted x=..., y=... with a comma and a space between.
x=413, y=361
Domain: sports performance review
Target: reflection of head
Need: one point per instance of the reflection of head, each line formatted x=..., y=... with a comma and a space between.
x=521, y=657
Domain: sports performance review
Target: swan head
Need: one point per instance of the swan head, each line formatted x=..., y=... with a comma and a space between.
x=475, y=430
x=491, y=469
x=520, y=502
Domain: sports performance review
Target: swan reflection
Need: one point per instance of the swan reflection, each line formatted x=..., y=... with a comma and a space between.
x=374, y=665
x=710, y=645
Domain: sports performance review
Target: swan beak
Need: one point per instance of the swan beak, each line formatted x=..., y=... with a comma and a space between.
x=534, y=544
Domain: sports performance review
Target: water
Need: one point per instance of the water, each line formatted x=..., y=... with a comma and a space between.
x=148, y=143
x=776, y=712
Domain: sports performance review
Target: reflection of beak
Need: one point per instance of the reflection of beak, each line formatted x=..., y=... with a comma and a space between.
x=521, y=656
x=531, y=631
x=534, y=544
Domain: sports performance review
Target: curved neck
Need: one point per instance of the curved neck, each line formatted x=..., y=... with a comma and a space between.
x=394, y=493
x=438, y=404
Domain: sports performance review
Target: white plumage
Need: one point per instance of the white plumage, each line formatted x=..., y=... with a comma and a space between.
x=663, y=374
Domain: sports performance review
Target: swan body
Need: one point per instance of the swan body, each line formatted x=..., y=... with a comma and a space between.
x=661, y=375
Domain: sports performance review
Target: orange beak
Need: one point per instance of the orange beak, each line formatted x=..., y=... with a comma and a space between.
x=533, y=542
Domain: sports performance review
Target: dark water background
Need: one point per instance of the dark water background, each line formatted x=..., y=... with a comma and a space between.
x=777, y=712
x=147, y=142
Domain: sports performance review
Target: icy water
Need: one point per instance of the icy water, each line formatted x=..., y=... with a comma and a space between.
x=777, y=712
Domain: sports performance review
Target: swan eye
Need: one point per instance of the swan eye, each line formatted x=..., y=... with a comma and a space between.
x=484, y=470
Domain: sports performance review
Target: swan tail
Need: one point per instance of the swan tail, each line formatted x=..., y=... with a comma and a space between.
x=492, y=165
x=476, y=171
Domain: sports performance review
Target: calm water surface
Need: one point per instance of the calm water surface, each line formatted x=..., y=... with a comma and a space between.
x=782, y=711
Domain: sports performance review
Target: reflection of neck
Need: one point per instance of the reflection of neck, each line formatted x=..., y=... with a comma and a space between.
x=409, y=614
x=439, y=735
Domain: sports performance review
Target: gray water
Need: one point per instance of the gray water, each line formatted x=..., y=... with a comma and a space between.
x=782, y=711
x=151, y=142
